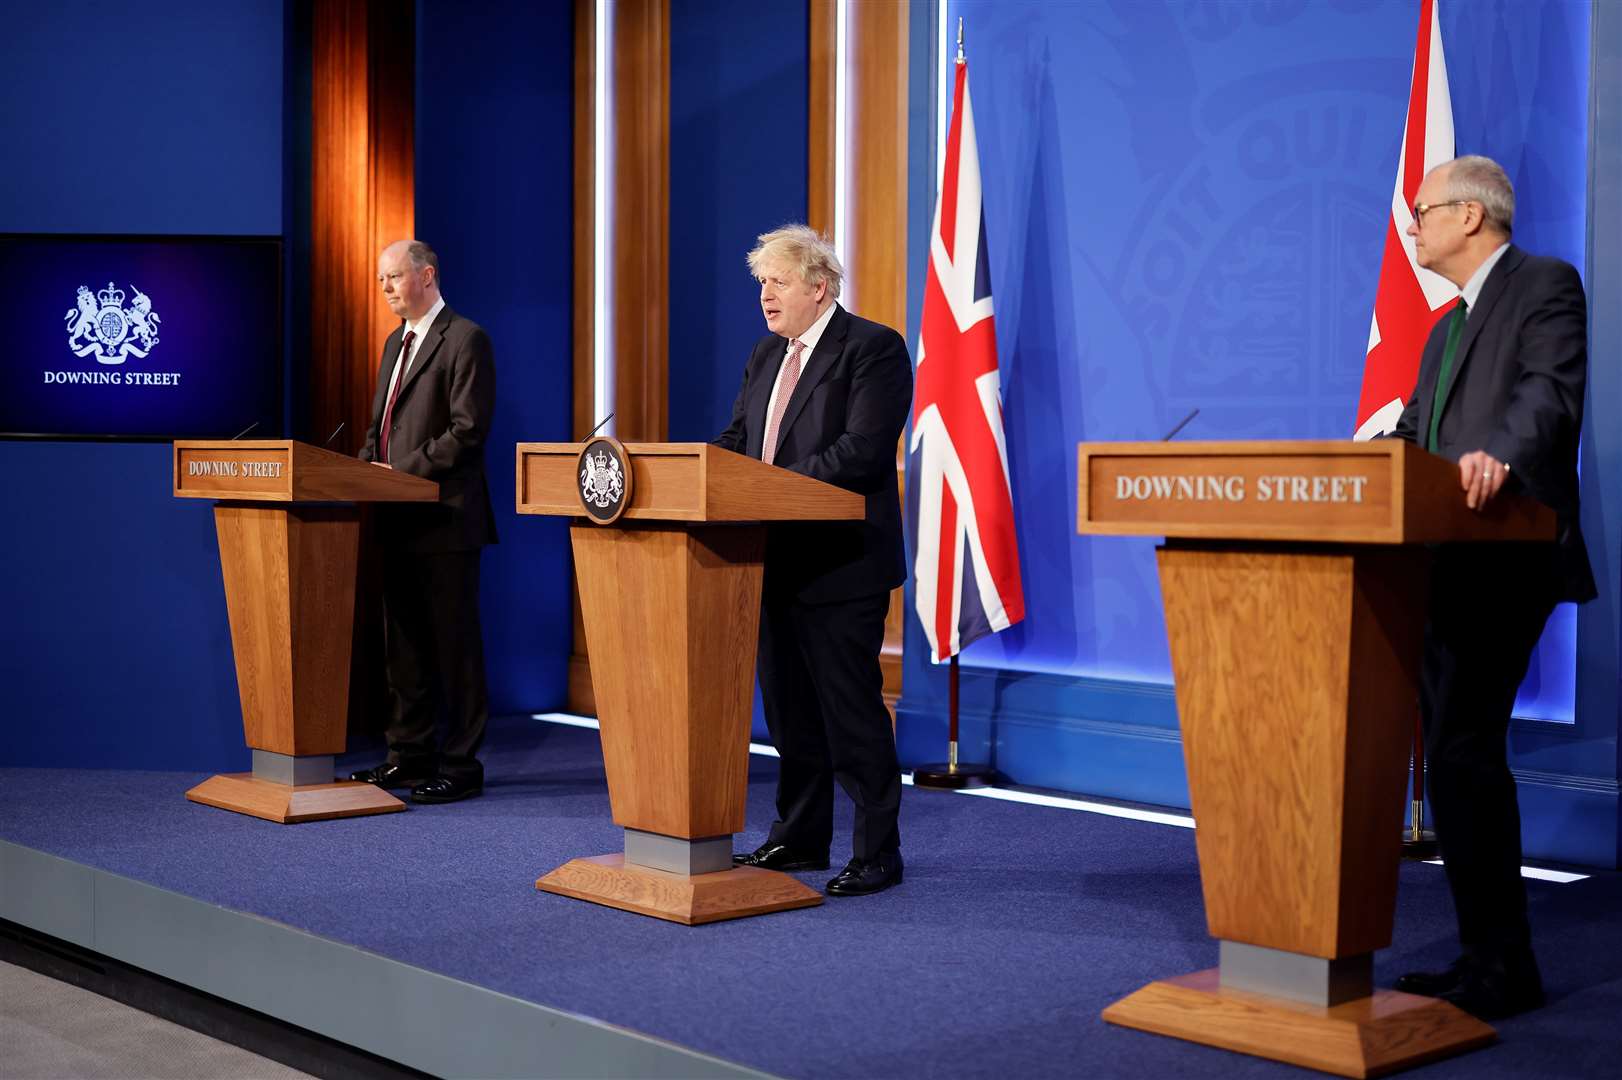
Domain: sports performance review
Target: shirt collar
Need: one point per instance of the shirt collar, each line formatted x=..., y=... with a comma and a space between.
x=1472, y=288
x=428, y=319
x=814, y=334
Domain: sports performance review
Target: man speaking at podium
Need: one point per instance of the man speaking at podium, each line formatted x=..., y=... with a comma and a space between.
x=1500, y=391
x=826, y=394
x=430, y=416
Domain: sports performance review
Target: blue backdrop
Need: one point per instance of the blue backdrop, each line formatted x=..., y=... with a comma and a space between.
x=738, y=167
x=494, y=198
x=1185, y=205
x=114, y=648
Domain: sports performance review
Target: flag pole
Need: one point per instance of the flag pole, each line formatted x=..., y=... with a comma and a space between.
x=1419, y=842
x=953, y=774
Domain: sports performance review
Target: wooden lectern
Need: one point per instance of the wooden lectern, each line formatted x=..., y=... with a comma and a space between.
x=289, y=539
x=1294, y=578
x=670, y=595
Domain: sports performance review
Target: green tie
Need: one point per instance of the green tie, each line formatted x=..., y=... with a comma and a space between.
x=1455, y=330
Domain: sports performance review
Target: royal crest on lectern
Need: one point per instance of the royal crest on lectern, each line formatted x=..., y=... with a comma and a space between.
x=605, y=479
x=101, y=324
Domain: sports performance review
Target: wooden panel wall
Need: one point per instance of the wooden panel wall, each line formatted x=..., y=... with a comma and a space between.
x=362, y=192
x=824, y=51
x=362, y=197
x=639, y=238
x=876, y=176
x=639, y=251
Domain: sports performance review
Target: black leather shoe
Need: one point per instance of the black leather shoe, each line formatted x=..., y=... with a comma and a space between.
x=1488, y=996
x=1435, y=983
x=770, y=856
x=860, y=877
x=447, y=789
x=393, y=775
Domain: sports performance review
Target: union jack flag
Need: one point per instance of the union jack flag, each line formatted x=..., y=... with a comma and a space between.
x=1409, y=298
x=960, y=505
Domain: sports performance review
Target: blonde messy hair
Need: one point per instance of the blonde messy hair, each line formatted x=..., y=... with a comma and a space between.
x=803, y=249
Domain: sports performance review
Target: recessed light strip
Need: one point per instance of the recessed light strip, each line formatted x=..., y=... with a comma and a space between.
x=841, y=139
x=602, y=359
x=943, y=92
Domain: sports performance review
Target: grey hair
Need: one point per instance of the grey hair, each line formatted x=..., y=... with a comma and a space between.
x=1474, y=178
x=422, y=255
x=802, y=248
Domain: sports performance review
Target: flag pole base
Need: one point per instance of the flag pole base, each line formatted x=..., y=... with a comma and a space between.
x=953, y=777
x=1419, y=842
x=1420, y=846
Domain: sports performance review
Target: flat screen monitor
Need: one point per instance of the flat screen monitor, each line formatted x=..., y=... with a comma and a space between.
x=141, y=337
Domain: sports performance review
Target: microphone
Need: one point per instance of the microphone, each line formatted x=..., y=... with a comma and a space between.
x=244, y=431
x=1183, y=423
x=335, y=431
x=599, y=426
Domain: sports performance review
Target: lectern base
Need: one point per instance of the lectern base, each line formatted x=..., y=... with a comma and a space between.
x=701, y=898
x=287, y=805
x=1372, y=1036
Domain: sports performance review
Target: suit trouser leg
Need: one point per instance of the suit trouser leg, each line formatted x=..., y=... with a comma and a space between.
x=805, y=771
x=842, y=730
x=409, y=658
x=459, y=651
x=1488, y=607
x=842, y=643
x=435, y=658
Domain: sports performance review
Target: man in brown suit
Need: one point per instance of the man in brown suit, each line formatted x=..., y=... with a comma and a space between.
x=430, y=417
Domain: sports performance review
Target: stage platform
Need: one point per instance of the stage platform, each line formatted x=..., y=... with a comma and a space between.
x=420, y=937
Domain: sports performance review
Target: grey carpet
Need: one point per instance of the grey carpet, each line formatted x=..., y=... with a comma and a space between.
x=51, y=1029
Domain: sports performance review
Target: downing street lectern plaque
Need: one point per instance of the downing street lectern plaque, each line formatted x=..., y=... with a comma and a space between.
x=1294, y=579
x=289, y=532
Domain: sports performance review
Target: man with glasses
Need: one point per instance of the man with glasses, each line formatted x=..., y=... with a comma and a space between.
x=1500, y=391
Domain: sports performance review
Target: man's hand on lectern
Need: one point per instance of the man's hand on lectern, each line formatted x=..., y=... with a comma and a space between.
x=1481, y=476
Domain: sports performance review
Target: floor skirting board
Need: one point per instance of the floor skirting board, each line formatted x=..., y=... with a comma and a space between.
x=404, y=1014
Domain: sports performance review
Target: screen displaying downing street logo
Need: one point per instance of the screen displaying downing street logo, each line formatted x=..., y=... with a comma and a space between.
x=141, y=336
x=102, y=326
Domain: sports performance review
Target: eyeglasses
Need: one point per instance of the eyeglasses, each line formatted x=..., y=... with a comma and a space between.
x=1421, y=209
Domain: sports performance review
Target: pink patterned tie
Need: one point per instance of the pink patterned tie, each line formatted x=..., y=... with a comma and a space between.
x=388, y=410
x=785, y=390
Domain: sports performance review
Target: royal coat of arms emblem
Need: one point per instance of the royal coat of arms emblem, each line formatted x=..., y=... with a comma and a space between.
x=605, y=481
x=100, y=324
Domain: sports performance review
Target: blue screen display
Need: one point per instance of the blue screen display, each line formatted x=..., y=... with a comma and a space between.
x=141, y=337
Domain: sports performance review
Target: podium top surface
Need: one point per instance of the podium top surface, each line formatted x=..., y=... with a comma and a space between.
x=693, y=482
x=1385, y=491
x=284, y=470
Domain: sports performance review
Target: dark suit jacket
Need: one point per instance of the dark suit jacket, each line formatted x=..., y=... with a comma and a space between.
x=841, y=427
x=1517, y=391
x=441, y=419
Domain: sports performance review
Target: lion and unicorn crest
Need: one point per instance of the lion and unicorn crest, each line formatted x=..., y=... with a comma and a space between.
x=101, y=324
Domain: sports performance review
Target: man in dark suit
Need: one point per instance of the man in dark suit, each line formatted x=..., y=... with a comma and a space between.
x=435, y=397
x=826, y=394
x=1500, y=391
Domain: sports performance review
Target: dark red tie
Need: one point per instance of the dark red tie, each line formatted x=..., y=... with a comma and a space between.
x=394, y=395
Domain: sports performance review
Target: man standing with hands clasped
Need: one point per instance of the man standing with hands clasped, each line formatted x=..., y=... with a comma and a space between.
x=826, y=394
x=1500, y=391
x=436, y=393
